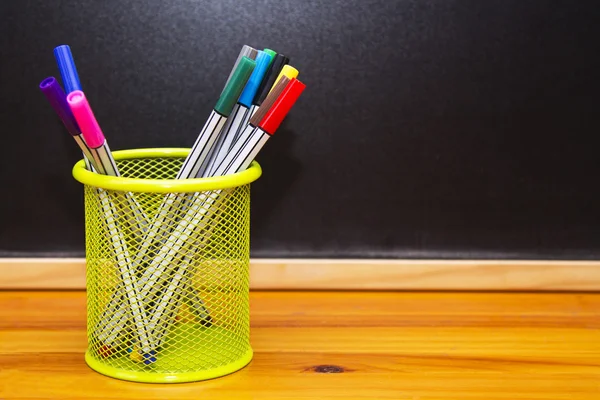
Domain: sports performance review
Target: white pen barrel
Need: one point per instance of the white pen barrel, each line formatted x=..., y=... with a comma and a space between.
x=106, y=164
x=166, y=308
x=198, y=213
x=165, y=217
x=200, y=208
x=253, y=110
x=180, y=290
x=243, y=152
x=160, y=226
x=168, y=209
x=224, y=141
x=125, y=267
x=193, y=219
x=201, y=148
x=152, y=283
x=104, y=160
x=214, y=151
x=135, y=218
x=243, y=125
x=88, y=158
x=101, y=334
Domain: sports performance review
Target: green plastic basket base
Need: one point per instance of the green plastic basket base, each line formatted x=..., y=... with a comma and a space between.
x=190, y=351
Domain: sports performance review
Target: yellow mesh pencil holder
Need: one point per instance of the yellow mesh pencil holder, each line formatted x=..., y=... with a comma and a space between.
x=167, y=269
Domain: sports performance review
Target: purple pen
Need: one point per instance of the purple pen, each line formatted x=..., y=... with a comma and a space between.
x=58, y=100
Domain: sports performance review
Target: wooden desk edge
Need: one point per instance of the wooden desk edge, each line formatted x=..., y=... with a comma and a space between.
x=343, y=274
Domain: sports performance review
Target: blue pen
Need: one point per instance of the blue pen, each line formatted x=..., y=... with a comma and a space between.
x=239, y=117
x=66, y=65
x=133, y=215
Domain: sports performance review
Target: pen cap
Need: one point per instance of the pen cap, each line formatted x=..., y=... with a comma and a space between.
x=85, y=118
x=262, y=63
x=58, y=100
x=266, y=105
x=282, y=106
x=246, y=51
x=288, y=71
x=234, y=88
x=272, y=53
x=269, y=79
x=66, y=66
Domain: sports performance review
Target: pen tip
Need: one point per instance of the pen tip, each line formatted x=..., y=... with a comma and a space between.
x=46, y=83
x=75, y=97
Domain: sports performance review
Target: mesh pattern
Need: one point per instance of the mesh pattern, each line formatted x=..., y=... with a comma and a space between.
x=167, y=275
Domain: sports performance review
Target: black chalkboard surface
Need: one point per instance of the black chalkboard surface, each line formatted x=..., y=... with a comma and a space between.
x=428, y=129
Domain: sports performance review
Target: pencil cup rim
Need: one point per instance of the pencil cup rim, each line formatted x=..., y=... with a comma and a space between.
x=82, y=175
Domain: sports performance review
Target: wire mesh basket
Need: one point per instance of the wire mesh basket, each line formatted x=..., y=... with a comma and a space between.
x=167, y=269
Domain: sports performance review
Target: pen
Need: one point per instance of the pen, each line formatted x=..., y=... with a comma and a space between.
x=58, y=100
x=240, y=111
x=66, y=66
x=198, y=154
x=92, y=133
x=135, y=220
x=269, y=80
x=287, y=71
x=180, y=290
x=166, y=309
x=248, y=146
x=238, y=159
x=272, y=53
x=101, y=154
x=165, y=217
x=246, y=51
x=217, y=119
x=196, y=304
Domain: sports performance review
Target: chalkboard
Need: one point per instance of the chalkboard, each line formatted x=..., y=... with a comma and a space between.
x=428, y=129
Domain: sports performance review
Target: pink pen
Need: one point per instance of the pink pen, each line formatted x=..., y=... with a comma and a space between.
x=106, y=165
x=92, y=133
x=102, y=157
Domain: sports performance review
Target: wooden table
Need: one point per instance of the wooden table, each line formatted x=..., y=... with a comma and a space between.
x=337, y=345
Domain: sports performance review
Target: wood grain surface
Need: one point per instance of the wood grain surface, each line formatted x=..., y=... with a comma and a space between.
x=338, y=345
